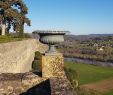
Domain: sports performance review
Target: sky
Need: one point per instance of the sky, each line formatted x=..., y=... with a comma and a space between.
x=77, y=16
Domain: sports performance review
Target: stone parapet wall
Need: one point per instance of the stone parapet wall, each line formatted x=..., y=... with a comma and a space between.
x=17, y=57
x=31, y=84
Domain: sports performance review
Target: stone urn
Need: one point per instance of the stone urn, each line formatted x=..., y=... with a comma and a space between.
x=51, y=38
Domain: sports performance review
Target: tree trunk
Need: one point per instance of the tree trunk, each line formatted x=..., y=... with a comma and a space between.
x=21, y=33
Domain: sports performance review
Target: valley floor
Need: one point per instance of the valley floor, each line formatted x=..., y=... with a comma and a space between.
x=97, y=78
x=100, y=86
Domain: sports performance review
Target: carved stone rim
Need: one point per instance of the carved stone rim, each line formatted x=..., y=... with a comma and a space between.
x=50, y=32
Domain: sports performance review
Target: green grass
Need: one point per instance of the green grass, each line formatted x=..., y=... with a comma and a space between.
x=109, y=93
x=5, y=39
x=89, y=73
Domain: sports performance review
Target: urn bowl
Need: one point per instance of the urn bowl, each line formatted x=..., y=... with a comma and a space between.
x=51, y=38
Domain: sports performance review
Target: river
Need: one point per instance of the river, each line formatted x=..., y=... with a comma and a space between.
x=86, y=61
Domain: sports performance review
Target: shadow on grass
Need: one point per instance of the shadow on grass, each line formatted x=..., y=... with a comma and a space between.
x=40, y=89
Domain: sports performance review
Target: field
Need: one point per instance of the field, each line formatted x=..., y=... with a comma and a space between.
x=109, y=93
x=91, y=75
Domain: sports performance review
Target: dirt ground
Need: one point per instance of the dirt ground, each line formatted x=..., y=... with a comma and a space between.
x=100, y=86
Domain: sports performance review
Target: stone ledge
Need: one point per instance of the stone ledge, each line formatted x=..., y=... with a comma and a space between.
x=31, y=84
x=15, y=84
x=9, y=76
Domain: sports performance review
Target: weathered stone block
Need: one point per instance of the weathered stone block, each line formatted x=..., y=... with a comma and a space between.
x=17, y=57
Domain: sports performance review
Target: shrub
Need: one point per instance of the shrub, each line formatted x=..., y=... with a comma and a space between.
x=37, y=55
x=72, y=76
x=36, y=65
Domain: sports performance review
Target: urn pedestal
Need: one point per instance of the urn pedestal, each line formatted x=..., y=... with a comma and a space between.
x=53, y=66
x=53, y=69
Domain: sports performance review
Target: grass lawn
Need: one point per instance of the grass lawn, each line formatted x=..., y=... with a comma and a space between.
x=89, y=73
x=5, y=39
x=109, y=93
